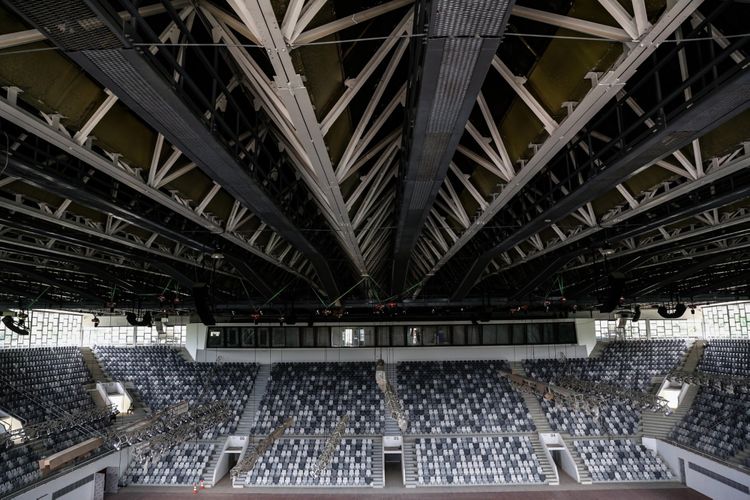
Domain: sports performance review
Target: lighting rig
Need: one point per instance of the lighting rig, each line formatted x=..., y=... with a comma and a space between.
x=251, y=458
x=169, y=427
x=333, y=442
x=65, y=422
x=585, y=395
x=726, y=383
x=391, y=399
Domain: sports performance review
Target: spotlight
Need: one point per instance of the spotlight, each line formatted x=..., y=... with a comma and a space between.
x=217, y=255
x=13, y=327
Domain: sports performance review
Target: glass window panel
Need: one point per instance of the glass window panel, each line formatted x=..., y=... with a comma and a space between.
x=534, y=333
x=428, y=335
x=324, y=336
x=442, y=335
x=263, y=336
x=472, y=332
x=215, y=338
x=519, y=333
x=414, y=335
x=232, y=336
x=397, y=335
x=292, y=336
x=489, y=334
x=308, y=336
x=277, y=336
x=459, y=335
x=247, y=334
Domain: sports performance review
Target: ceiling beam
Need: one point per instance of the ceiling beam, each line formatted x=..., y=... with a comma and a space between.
x=600, y=94
x=723, y=103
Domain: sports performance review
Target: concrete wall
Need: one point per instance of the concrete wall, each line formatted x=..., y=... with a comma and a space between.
x=586, y=334
x=45, y=489
x=699, y=481
x=390, y=354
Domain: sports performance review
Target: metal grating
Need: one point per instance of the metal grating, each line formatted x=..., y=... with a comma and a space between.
x=72, y=25
x=450, y=68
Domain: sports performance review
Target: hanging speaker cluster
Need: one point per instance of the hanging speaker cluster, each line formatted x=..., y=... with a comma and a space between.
x=201, y=298
x=614, y=292
x=134, y=321
x=13, y=326
x=679, y=310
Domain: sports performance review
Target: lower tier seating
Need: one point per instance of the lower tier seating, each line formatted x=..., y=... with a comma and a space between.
x=614, y=419
x=620, y=460
x=451, y=397
x=182, y=465
x=163, y=377
x=727, y=357
x=485, y=460
x=718, y=422
x=18, y=467
x=289, y=463
x=317, y=395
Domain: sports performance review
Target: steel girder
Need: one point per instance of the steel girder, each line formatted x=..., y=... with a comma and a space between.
x=447, y=74
x=137, y=77
x=604, y=90
x=580, y=180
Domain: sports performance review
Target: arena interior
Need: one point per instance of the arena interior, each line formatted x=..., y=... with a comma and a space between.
x=374, y=249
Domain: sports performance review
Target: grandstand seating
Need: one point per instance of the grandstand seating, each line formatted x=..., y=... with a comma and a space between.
x=718, y=422
x=629, y=364
x=163, y=377
x=182, y=465
x=452, y=397
x=613, y=419
x=317, y=395
x=619, y=460
x=727, y=357
x=18, y=467
x=38, y=382
x=289, y=462
x=483, y=460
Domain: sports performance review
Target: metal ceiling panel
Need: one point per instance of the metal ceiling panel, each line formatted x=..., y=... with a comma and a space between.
x=449, y=66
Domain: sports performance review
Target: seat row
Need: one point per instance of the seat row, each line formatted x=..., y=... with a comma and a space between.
x=718, y=422
x=727, y=357
x=620, y=460
x=290, y=462
x=317, y=395
x=469, y=397
x=483, y=460
x=163, y=378
x=183, y=465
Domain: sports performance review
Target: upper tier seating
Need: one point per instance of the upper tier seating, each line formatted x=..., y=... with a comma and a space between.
x=728, y=357
x=613, y=419
x=718, y=422
x=289, y=462
x=182, y=465
x=629, y=364
x=37, y=385
x=40, y=381
x=163, y=378
x=461, y=397
x=482, y=460
x=317, y=395
x=621, y=460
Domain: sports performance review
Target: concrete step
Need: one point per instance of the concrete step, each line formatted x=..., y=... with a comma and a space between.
x=694, y=355
x=536, y=412
x=583, y=471
x=549, y=469
x=208, y=472
x=246, y=424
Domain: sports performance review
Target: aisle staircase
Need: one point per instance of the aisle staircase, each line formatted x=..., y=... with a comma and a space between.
x=92, y=363
x=657, y=425
x=548, y=468
x=209, y=471
x=378, y=464
x=247, y=419
x=536, y=412
x=517, y=368
x=583, y=471
x=409, y=463
x=693, y=356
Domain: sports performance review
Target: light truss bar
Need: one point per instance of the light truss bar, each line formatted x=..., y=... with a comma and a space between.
x=516, y=83
x=622, y=17
x=590, y=105
x=128, y=177
x=579, y=25
x=327, y=29
x=296, y=99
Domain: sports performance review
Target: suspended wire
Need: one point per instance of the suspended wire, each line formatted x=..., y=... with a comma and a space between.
x=387, y=37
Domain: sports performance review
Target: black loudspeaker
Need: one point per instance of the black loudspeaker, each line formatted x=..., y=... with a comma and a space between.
x=133, y=319
x=616, y=286
x=637, y=314
x=10, y=325
x=679, y=310
x=203, y=304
